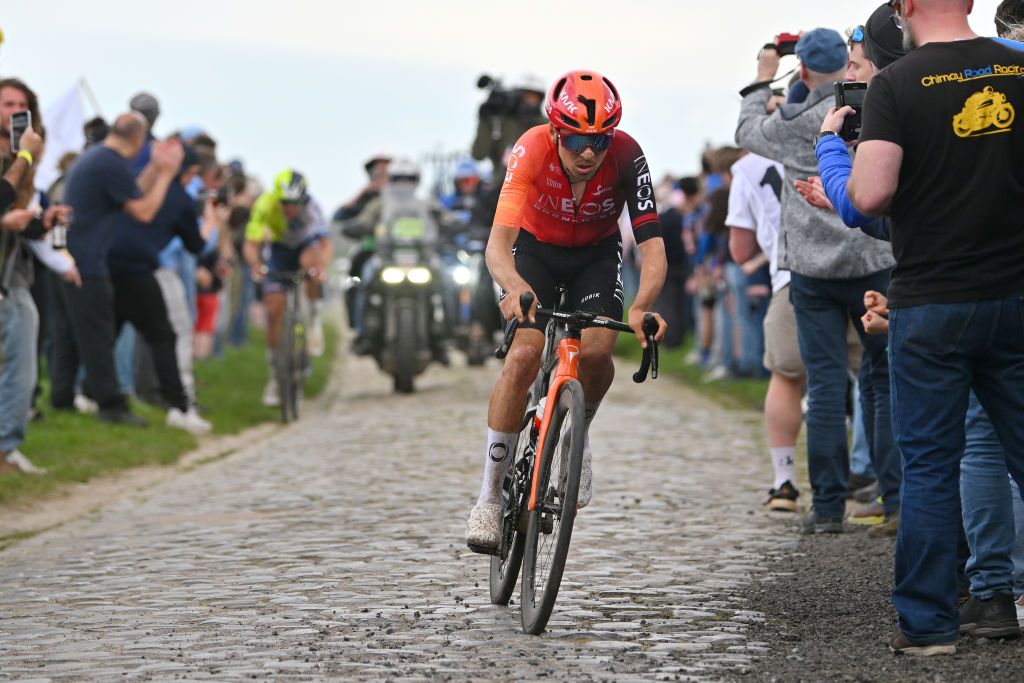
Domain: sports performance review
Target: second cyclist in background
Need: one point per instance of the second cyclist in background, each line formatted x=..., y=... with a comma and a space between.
x=287, y=232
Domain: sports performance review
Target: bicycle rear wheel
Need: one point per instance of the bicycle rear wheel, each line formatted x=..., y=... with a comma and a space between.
x=288, y=363
x=505, y=565
x=550, y=527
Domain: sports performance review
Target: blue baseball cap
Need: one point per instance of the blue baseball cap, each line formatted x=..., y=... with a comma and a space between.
x=823, y=51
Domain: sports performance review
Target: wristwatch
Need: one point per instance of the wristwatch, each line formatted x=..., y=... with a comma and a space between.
x=823, y=134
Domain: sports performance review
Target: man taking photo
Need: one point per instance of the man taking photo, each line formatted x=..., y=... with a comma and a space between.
x=940, y=153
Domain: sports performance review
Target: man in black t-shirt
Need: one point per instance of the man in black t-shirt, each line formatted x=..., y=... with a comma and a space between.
x=100, y=187
x=942, y=153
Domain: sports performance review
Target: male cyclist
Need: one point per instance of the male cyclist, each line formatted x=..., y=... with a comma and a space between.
x=291, y=225
x=557, y=224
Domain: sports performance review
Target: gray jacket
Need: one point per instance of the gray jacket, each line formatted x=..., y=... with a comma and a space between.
x=812, y=242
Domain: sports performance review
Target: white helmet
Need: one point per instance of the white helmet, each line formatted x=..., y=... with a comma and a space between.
x=404, y=169
x=531, y=83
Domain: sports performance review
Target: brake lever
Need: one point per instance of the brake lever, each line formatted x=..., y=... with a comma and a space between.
x=649, y=362
x=525, y=303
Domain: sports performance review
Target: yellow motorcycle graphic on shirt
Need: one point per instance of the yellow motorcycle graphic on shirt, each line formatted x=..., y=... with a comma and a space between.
x=984, y=110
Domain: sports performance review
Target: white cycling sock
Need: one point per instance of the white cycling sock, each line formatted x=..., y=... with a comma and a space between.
x=782, y=460
x=500, y=451
x=589, y=411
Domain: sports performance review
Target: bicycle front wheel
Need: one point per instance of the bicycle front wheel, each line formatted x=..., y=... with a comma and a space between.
x=550, y=526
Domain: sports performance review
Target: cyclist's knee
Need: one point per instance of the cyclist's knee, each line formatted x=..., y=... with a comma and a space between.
x=595, y=358
x=522, y=364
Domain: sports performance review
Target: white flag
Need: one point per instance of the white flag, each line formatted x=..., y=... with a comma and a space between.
x=64, y=120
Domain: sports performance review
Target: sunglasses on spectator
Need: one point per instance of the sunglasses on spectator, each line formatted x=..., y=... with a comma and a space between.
x=599, y=142
x=856, y=35
x=897, y=9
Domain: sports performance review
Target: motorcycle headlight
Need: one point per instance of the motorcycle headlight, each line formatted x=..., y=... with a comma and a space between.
x=419, y=275
x=392, y=275
x=461, y=275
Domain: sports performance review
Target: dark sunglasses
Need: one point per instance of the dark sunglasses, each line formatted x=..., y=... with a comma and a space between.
x=897, y=9
x=599, y=142
x=857, y=35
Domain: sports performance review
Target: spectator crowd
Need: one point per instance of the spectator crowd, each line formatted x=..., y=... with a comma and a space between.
x=119, y=273
x=870, y=258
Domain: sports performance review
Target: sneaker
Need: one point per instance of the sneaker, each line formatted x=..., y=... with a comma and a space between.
x=901, y=645
x=867, y=494
x=315, y=338
x=1020, y=608
x=813, y=524
x=994, y=618
x=362, y=346
x=586, y=479
x=857, y=482
x=889, y=527
x=869, y=516
x=190, y=421
x=271, y=394
x=717, y=374
x=86, y=405
x=16, y=460
x=483, y=530
x=692, y=358
x=783, y=499
x=122, y=416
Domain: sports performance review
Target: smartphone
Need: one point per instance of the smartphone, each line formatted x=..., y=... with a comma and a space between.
x=20, y=122
x=851, y=93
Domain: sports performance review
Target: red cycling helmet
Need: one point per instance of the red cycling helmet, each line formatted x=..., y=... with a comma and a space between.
x=584, y=102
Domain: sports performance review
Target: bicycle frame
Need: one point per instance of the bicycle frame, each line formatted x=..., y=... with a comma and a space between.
x=569, y=349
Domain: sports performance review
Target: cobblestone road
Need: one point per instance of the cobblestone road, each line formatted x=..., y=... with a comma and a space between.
x=334, y=550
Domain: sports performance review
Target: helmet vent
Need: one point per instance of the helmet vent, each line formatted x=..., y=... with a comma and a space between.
x=572, y=123
x=586, y=77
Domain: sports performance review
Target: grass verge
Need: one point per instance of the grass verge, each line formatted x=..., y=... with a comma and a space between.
x=729, y=393
x=76, y=448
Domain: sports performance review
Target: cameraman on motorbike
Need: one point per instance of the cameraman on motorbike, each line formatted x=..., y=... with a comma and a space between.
x=506, y=114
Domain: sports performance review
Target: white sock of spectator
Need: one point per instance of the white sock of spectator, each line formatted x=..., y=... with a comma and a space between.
x=500, y=451
x=783, y=460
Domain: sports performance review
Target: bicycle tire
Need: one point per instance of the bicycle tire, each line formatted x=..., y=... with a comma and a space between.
x=505, y=571
x=547, y=549
x=283, y=363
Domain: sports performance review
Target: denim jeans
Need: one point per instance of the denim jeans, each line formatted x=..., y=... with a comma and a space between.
x=823, y=309
x=987, y=498
x=19, y=325
x=124, y=359
x=749, y=322
x=939, y=353
x=863, y=414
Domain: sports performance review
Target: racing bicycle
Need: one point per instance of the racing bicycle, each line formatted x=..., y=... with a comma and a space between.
x=541, y=488
x=291, y=363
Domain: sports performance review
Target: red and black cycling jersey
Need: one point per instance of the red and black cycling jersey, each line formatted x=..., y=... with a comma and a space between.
x=537, y=195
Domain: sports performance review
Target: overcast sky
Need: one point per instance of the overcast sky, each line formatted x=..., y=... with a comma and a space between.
x=321, y=85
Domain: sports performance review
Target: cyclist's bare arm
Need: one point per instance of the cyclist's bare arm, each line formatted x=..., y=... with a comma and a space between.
x=251, y=254
x=652, y=278
x=502, y=265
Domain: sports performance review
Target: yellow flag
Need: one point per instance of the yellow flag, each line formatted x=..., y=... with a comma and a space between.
x=1, y=36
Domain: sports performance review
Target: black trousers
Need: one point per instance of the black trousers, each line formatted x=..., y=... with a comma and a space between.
x=139, y=300
x=85, y=331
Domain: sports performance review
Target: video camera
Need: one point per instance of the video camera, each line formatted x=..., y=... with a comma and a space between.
x=500, y=100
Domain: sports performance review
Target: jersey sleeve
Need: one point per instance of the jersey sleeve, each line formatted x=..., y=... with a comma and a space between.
x=740, y=215
x=635, y=176
x=317, y=221
x=259, y=220
x=523, y=165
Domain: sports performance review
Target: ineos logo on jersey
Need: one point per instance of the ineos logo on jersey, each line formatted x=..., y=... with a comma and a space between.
x=600, y=190
x=644, y=189
x=565, y=205
x=498, y=452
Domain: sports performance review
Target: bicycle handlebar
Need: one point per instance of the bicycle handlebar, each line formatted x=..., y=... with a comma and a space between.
x=581, y=320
